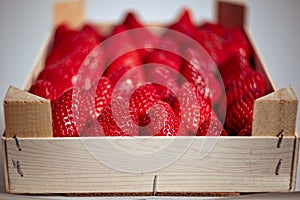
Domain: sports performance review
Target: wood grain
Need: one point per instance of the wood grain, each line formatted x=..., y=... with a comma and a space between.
x=63, y=165
x=26, y=115
x=275, y=112
x=70, y=12
x=295, y=163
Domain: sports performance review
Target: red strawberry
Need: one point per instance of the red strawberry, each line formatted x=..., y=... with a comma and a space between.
x=60, y=31
x=236, y=43
x=142, y=37
x=62, y=73
x=141, y=101
x=254, y=83
x=97, y=98
x=81, y=42
x=194, y=109
x=184, y=24
x=122, y=65
x=45, y=89
x=214, y=28
x=234, y=70
x=165, y=56
x=196, y=67
x=239, y=115
x=131, y=21
x=90, y=30
x=120, y=41
x=103, y=95
x=167, y=95
x=211, y=127
x=119, y=122
x=196, y=76
x=212, y=43
x=246, y=131
x=92, y=130
x=68, y=114
x=163, y=121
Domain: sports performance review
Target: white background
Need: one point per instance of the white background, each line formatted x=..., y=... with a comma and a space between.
x=25, y=24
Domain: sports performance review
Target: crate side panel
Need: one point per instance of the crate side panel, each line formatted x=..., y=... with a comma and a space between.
x=5, y=165
x=295, y=163
x=64, y=166
x=233, y=165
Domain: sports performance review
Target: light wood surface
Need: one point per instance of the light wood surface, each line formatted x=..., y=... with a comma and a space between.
x=70, y=12
x=26, y=115
x=275, y=112
x=63, y=165
x=295, y=163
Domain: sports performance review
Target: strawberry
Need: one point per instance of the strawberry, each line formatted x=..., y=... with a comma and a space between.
x=240, y=114
x=162, y=64
x=92, y=130
x=103, y=95
x=236, y=43
x=167, y=95
x=68, y=114
x=194, y=109
x=254, y=83
x=180, y=29
x=184, y=23
x=91, y=31
x=60, y=31
x=45, y=89
x=120, y=41
x=97, y=98
x=143, y=38
x=82, y=42
x=214, y=28
x=212, y=43
x=211, y=127
x=197, y=69
x=141, y=101
x=131, y=20
x=164, y=55
x=196, y=77
x=163, y=121
x=125, y=74
x=119, y=122
x=62, y=73
x=234, y=70
x=246, y=131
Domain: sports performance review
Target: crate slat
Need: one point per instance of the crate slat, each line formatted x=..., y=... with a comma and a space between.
x=26, y=115
x=63, y=165
x=275, y=112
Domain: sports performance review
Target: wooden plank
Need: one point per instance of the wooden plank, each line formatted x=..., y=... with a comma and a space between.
x=70, y=12
x=5, y=164
x=295, y=163
x=26, y=115
x=231, y=14
x=63, y=165
x=275, y=112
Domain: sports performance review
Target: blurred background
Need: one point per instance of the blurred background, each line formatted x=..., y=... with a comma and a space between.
x=24, y=25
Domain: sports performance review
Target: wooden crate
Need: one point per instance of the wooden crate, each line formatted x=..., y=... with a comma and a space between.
x=35, y=162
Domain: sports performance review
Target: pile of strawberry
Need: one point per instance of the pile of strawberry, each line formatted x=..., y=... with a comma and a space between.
x=153, y=108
